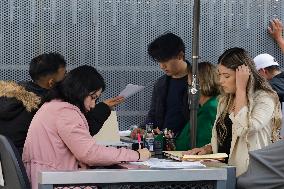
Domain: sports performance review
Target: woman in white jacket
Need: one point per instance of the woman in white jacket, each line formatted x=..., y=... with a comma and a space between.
x=248, y=114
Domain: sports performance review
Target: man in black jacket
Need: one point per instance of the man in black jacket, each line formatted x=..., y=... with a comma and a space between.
x=19, y=102
x=169, y=105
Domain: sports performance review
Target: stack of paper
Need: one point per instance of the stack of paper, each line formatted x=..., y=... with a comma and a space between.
x=130, y=90
x=125, y=133
x=178, y=165
x=217, y=156
x=178, y=155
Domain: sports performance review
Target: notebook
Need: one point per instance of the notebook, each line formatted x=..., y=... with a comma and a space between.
x=217, y=156
x=178, y=155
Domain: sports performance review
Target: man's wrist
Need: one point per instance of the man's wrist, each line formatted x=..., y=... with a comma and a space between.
x=279, y=40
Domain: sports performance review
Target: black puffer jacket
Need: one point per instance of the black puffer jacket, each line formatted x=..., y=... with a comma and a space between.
x=17, y=108
x=34, y=88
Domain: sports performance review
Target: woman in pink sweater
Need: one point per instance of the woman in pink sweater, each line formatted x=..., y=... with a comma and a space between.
x=59, y=138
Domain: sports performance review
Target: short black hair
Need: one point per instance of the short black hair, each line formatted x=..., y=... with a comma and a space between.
x=45, y=64
x=272, y=68
x=77, y=85
x=166, y=47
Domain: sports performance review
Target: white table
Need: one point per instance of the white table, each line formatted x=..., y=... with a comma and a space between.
x=221, y=178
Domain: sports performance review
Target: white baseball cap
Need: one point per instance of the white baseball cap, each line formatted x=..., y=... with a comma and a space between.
x=264, y=61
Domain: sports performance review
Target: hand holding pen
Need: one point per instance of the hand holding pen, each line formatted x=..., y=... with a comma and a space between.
x=144, y=153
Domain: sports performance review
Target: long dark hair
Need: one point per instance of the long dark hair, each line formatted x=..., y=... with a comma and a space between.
x=77, y=85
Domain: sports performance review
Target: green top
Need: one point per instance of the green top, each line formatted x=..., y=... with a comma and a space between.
x=205, y=120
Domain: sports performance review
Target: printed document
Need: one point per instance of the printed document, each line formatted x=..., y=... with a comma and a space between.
x=130, y=90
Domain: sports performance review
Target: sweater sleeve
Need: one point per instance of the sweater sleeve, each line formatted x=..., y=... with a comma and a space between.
x=76, y=136
x=205, y=122
x=97, y=116
x=261, y=114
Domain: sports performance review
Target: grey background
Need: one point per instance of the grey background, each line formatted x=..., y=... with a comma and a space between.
x=112, y=35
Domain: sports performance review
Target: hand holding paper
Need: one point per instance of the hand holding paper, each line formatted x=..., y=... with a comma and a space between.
x=130, y=90
x=112, y=102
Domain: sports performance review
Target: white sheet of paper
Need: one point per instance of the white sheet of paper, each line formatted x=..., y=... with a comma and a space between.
x=130, y=90
x=125, y=133
x=169, y=164
x=176, y=165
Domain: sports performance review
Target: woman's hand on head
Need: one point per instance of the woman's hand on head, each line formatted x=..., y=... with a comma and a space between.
x=242, y=77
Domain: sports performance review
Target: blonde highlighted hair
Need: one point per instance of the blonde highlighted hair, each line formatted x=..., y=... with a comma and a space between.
x=208, y=81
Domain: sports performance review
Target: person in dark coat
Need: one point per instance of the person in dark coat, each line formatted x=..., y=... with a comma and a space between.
x=17, y=107
x=19, y=102
x=169, y=104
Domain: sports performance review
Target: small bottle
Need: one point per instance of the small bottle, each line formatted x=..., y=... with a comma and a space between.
x=149, y=137
x=169, y=140
x=159, y=145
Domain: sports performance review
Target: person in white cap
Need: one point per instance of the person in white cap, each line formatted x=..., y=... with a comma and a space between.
x=269, y=69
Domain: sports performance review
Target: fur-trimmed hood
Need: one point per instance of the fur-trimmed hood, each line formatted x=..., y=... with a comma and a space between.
x=14, y=98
